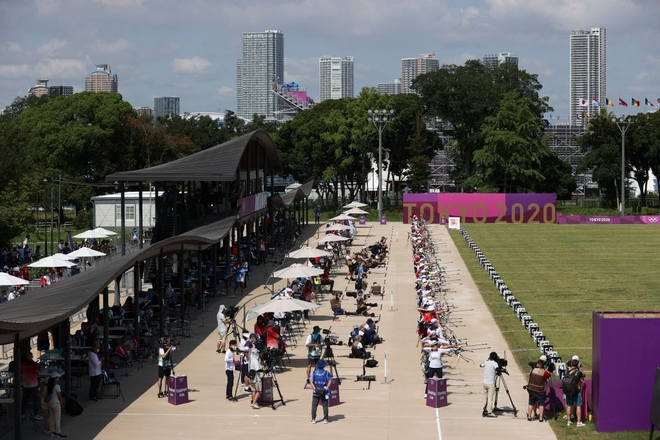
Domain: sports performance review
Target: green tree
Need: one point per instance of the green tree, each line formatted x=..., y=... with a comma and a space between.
x=643, y=149
x=514, y=146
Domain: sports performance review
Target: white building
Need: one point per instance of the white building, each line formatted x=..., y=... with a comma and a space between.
x=258, y=73
x=588, y=73
x=393, y=88
x=335, y=78
x=166, y=106
x=107, y=210
x=497, y=59
x=411, y=68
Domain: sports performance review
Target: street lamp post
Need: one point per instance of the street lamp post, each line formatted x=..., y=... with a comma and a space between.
x=45, y=230
x=380, y=118
x=623, y=125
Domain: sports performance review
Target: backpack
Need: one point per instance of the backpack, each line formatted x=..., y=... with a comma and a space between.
x=570, y=384
x=73, y=407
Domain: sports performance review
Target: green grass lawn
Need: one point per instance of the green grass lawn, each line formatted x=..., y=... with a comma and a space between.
x=561, y=274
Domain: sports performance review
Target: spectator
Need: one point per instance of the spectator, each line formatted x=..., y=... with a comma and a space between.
x=54, y=400
x=317, y=215
x=94, y=368
x=30, y=384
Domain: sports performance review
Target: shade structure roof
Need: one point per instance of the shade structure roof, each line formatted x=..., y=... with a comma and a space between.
x=215, y=164
x=281, y=201
x=41, y=309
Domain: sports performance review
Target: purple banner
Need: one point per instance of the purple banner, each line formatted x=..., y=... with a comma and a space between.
x=481, y=208
x=608, y=220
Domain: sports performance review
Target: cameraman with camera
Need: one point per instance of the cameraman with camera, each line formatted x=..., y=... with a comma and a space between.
x=165, y=364
x=314, y=344
x=223, y=322
x=490, y=367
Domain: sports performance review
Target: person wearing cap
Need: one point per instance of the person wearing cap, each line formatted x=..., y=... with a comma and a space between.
x=538, y=381
x=223, y=322
x=230, y=367
x=53, y=397
x=353, y=334
x=321, y=381
x=254, y=366
x=314, y=344
x=370, y=335
x=490, y=374
x=574, y=400
x=244, y=348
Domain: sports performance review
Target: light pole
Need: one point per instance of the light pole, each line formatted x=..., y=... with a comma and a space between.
x=623, y=124
x=380, y=118
x=45, y=230
x=59, y=207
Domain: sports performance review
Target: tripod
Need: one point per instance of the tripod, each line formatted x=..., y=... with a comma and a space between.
x=499, y=379
x=271, y=373
x=329, y=357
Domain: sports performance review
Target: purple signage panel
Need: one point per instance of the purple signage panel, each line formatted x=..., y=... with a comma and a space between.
x=436, y=393
x=621, y=401
x=608, y=220
x=383, y=219
x=481, y=208
x=266, y=397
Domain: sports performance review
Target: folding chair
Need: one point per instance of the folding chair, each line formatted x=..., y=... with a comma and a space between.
x=109, y=381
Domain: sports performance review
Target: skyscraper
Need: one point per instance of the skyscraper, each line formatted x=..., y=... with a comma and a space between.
x=413, y=67
x=502, y=57
x=335, y=78
x=102, y=80
x=588, y=72
x=259, y=71
x=166, y=106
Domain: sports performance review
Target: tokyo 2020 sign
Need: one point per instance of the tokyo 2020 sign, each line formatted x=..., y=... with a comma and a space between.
x=481, y=208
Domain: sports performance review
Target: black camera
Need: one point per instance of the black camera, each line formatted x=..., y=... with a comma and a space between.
x=231, y=312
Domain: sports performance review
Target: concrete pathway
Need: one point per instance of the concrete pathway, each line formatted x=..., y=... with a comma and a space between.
x=392, y=410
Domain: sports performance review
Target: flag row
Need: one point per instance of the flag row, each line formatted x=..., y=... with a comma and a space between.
x=633, y=102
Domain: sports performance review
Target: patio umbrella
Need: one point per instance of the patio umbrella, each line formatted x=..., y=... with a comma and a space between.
x=57, y=260
x=297, y=270
x=91, y=233
x=85, y=252
x=356, y=211
x=280, y=304
x=331, y=238
x=355, y=204
x=308, y=252
x=107, y=232
x=343, y=216
x=338, y=227
x=11, y=280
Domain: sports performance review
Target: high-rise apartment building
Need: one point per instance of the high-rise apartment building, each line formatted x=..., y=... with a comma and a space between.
x=60, y=90
x=393, y=88
x=335, y=78
x=258, y=73
x=411, y=68
x=166, y=106
x=497, y=59
x=102, y=80
x=144, y=111
x=588, y=73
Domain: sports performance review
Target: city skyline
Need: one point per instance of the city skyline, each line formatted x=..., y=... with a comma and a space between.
x=169, y=49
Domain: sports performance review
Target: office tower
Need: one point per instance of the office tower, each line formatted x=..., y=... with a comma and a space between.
x=588, y=73
x=144, y=111
x=412, y=67
x=335, y=78
x=102, y=80
x=393, y=88
x=166, y=106
x=60, y=90
x=258, y=73
x=40, y=89
x=497, y=59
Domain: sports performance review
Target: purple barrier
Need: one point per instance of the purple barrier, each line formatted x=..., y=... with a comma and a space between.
x=608, y=220
x=623, y=341
x=436, y=394
x=481, y=208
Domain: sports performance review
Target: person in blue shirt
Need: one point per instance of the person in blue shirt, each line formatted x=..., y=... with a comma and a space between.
x=321, y=380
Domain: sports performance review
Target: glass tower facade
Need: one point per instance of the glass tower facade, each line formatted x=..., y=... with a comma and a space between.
x=588, y=72
x=335, y=78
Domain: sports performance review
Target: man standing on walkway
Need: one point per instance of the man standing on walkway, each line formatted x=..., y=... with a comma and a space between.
x=223, y=321
x=317, y=215
x=94, y=367
x=314, y=344
x=321, y=380
x=255, y=377
x=230, y=367
x=490, y=374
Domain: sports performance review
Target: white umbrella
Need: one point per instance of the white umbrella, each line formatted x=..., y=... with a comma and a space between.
x=343, y=216
x=331, y=238
x=91, y=233
x=104, y=231
x=85, y=252
x=57, y=260
x=338, y=227
x=297, y=270
x=355, y=204
x=11, y=280
x=280, y=304
x=356, y=211
x=308, y=252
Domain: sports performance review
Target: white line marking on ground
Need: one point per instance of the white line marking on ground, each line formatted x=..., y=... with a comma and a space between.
x=437, y=422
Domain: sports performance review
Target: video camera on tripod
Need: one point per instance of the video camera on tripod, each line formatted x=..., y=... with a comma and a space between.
x=501, y=366
x=330, y=340
x=230, y=312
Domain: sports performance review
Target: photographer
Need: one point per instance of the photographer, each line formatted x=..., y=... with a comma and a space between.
x=538, y=381
x=490, y=367
x=314, y=344
x=357, y=349
x=321, y=380
x=548, y=366
x=230, y=367
x=165, y=365
x=254, y=367
x=223, y=322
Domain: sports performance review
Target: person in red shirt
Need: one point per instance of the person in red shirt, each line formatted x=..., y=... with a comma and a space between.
x=30, y=384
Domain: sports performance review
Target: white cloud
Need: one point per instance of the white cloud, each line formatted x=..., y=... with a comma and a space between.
x=192, y=66
x=121, y=46
x=10, y=47
x=121, y=3
x=52, y=47
x=61, y=69
x=15, y=71
x=225, y=93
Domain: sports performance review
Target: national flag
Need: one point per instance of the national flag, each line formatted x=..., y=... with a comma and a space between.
x=634, y=102
x=583, y=102
x=608, y=102
x=595, y=102
x=623, y=103
x=647, y=102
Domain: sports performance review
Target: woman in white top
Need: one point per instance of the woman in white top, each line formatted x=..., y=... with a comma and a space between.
x=54, y=400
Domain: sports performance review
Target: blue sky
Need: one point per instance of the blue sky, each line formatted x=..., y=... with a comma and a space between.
x=189, y=48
